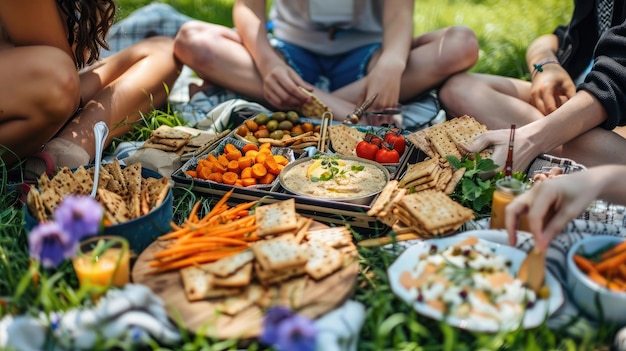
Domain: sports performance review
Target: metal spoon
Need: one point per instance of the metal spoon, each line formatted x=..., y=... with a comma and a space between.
x=101, y=132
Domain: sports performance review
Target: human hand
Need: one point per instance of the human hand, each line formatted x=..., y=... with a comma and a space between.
x=549, y=205
x=551, y=88
x=523, y=152
x=280, y=87
x=383, y=83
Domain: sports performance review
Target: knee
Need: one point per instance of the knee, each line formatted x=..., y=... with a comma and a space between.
x=196, y=41
x=456, y=88
x=462, y=48
x=61, y=98
x=158, y=45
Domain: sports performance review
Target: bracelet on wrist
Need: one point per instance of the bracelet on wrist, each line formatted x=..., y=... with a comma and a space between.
x=538, y=67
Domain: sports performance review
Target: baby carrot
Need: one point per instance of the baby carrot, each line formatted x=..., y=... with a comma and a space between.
x=613, y=251
x=611, y=263
x=583, y=263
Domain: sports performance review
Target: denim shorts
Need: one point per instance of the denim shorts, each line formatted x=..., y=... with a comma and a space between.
x=327, y=72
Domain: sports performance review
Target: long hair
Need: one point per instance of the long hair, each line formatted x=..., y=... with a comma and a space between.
x=88, y=22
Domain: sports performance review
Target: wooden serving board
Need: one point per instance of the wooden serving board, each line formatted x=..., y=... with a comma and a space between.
x=319, y=298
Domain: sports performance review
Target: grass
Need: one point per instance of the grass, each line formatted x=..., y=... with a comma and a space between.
x=504, y=30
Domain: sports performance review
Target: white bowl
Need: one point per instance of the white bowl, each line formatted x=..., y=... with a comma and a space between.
x=593, y=299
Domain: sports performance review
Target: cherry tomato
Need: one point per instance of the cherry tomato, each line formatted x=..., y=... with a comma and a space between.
x=366, y=150
x=386, y=154
x=396, y=139
x=373, y=139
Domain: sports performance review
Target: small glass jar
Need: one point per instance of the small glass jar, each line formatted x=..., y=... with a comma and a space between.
x=506, y=190
x=103, y=261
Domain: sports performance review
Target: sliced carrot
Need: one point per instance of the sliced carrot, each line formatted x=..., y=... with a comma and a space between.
x=249, y=147
x=230, y=177
x=248, y=181
x=245, y=162
x=229, y=148
x=252, y=154
x=216, y=177
x=234, y=155
x=258, y=170
x=281, y=160
x=268, y=178
x=192, y=173
x=219, y=168
x=246, y=173
x=233, y=166
x=260, y=157
x=205, y=172
x=239, y=183
x=583, y=263
x=265, y=146
x=221, y=159
x=271, y=165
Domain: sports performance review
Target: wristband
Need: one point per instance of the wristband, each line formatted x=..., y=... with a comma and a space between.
x=538, y=67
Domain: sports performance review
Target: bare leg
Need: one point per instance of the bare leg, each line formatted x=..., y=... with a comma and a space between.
x=120, y=88
x=493, y=100
x=208, y=48
x=596, y=147
x=39, y=91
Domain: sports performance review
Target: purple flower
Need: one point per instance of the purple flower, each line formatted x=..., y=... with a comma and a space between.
x=50, y=244
x=288, y=331
x=79, y=215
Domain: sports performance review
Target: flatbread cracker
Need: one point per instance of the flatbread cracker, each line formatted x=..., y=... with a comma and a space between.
x=276, y=218
x=168, y=132
x=279, y=253
x=315, y=108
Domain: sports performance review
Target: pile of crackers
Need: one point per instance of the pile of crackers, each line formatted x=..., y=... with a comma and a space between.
x=124, y=193
x=275, y=269
x=437, y=142
x=299, y=141
x=344, y=139
x=427, y=214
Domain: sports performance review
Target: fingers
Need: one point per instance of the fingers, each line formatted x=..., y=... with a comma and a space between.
x=482, y=142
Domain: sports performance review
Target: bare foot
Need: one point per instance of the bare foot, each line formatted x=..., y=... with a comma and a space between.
x=194, y=88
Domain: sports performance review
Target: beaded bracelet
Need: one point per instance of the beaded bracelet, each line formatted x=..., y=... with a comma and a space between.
x=538, y=67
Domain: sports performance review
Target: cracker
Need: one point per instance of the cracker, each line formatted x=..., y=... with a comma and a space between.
x=114, y=207
x=175, y=143
x=454, y=180
x=152, y=145
x=132, y=174
x=115, y=170
x=419, y=139
x=315, y=108
x=269, y=277
x=291, y=292
x=440, y=141
x=240, y=278
x=419, y=170
x=444, y=178
x=229, y=265
x=279, y=253
x=232, y=305
x=304, y=223
x=64, y=183
x=334, y=237
x=435, y=210
x=344, y=139
x=168, y=132
x=383, y=198
x=35, y=204
x=84, y=180
x=198, y=285
x=276, y=218
x=50, y=199
x=323, y=260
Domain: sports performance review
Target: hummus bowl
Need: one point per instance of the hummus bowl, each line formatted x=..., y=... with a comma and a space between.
x=335, y=178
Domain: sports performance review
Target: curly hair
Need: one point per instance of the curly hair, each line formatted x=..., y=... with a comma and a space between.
x=88, y=22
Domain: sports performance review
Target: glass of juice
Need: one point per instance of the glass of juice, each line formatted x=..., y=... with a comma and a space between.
x=506, y=191
x=103, y=261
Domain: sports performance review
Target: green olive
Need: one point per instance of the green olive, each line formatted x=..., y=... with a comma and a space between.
x=285, y=125
x=251, y=138
x=277, y=134
x=293, y=117
x=279, y=116
x=272, y=125
x=262, y=118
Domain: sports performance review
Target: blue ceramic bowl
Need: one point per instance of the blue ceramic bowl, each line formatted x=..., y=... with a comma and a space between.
x=141, y=231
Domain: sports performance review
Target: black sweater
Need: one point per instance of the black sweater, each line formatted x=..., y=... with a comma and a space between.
x=579, y=44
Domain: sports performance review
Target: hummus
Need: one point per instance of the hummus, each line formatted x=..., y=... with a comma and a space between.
x=331, y=177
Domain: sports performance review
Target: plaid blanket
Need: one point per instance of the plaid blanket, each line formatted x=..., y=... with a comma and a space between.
x=151, y=20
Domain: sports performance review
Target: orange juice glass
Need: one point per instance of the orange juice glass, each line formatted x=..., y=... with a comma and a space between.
x=103, y=261
x=506, y=191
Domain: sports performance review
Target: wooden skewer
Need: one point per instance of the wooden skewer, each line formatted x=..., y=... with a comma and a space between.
x=323, y=141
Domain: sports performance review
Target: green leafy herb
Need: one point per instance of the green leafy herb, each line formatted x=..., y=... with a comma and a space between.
x=473, y=191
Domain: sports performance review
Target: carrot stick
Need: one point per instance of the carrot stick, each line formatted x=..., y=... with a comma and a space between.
x=196, y=248
x=612, y=262
x=197, y=259
x=613, y=251
x=622, y=271
x=175, y=234
x=583, y=263
x=193, y=214
x=221, y=202
x=175, y=226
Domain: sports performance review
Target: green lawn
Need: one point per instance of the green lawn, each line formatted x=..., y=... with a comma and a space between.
x=504, y=28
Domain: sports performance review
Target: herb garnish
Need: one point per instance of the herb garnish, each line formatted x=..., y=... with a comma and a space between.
x=331, y=166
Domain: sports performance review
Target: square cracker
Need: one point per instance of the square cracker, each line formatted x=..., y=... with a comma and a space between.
x=279, y=253
x=435, y=210
x=440, y=141
x=323, y=260
x=240, y=278
x=291, y=292
x=229, y=265
x=276, y=218
x=344, y=139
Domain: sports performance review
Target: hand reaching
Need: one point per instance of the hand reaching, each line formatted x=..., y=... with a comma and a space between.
x=280, y=87
x=523, y=153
